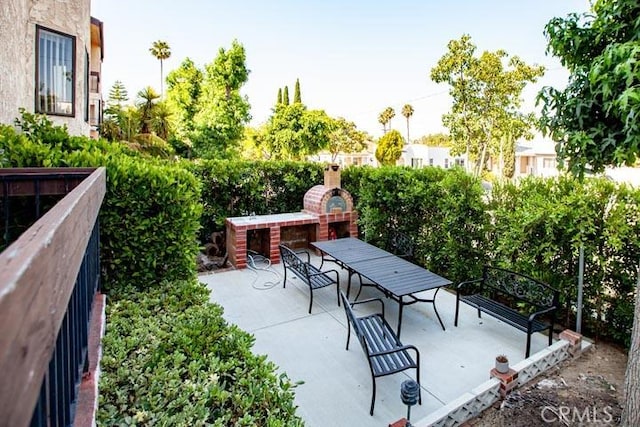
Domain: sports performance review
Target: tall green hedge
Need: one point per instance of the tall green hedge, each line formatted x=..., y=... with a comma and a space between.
x=237, y=188
x=151, y=212
x=442, y=210
x=539, y=226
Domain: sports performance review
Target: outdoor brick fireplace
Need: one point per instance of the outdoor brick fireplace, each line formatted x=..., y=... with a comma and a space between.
x=328, y=214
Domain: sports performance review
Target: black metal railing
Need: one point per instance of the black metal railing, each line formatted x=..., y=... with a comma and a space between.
x=51, y=275
x=27, y=194
x=59, y=391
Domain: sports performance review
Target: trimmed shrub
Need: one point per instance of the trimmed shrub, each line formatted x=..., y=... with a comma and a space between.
x=237, y=188
x=539, y=226
x=443, y=210
x=150, y=217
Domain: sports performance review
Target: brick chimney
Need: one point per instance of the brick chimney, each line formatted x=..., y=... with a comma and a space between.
x=332, y=176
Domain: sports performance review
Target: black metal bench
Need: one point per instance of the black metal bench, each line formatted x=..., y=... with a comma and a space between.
x=385, y=353
x=516, y=299
x=401, y=245
x=311, y=275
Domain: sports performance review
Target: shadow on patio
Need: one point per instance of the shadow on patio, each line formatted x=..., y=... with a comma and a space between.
x=337, y=383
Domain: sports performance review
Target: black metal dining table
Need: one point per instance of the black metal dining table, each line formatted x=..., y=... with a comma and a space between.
x=394, y=276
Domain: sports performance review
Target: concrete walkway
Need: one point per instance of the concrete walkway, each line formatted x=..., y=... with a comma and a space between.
x=336, y=388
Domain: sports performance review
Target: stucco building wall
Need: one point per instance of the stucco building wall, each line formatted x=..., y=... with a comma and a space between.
x=18, y=22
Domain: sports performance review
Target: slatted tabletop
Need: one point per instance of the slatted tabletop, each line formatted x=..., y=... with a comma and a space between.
x=393, y=275
x=399, y=276
x=350, y=250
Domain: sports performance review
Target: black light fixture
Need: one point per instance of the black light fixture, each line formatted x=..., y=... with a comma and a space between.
x=409, y=392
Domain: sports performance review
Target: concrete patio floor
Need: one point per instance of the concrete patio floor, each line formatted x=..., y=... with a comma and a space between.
x=336, y=389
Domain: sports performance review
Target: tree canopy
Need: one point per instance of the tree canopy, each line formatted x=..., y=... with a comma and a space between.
x=595, y=120
x=297, y=96
x=407, y=112
x=161, y=51
x=389, y=148
x=346, y=138
x=222, y=110
x=294, y=132
x=486, y=92
x=183, y=92
x=435, y=140
x=384, y=118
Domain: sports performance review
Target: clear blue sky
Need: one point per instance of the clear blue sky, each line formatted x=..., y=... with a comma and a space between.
x=353, y=58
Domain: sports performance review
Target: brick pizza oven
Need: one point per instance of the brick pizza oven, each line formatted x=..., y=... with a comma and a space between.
x=328, y=214
x=333, y=206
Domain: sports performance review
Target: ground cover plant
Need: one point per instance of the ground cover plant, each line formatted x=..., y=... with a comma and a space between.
x=171, y=359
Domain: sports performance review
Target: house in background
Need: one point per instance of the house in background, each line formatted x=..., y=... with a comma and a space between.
x=95, y=72
x=420, y=155
x=346, y=159
x=536, y=158
x=50, y=51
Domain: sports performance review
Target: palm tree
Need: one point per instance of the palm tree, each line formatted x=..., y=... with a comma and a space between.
x=390, y=113
x=407, y=112
x=161, y=121
x=146, y=104
x=383, y=120
x=161, y=51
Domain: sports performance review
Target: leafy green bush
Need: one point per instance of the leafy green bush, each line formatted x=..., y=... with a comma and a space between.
x=171, y=359
x=539, y=226
x=236, y=188
x=150, y=216
x=443, y=210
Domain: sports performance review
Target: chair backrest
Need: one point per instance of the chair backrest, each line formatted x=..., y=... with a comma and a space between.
x=352, y=319
x=520, y=286
x=401, y=245
x=289, y=257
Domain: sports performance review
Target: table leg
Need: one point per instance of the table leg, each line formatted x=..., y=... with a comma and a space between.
x=399, y=317
x=436, y=310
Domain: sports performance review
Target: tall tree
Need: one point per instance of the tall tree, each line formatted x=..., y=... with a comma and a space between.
x=407, y=112
x=435, y=140
x=296, y=94
x=594, y=121
x=293, y=132
x=146, y=103
x=346, y=138
x=112, y=126
x=389, y=113
x=285, y=95
x=385, y=118
x=382, y=119
x=161, y=50
x=222, y=110
x=389, y=148
x=184, y=86
x=486, y=92
x=118, y=94
x=279, y=100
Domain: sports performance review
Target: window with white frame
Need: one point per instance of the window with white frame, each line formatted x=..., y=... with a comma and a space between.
x=55, y=72
x=416, y=162
x=548, y=162
x=446, y=163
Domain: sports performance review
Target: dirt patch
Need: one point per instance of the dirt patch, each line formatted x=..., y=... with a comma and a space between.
x=586, y=391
